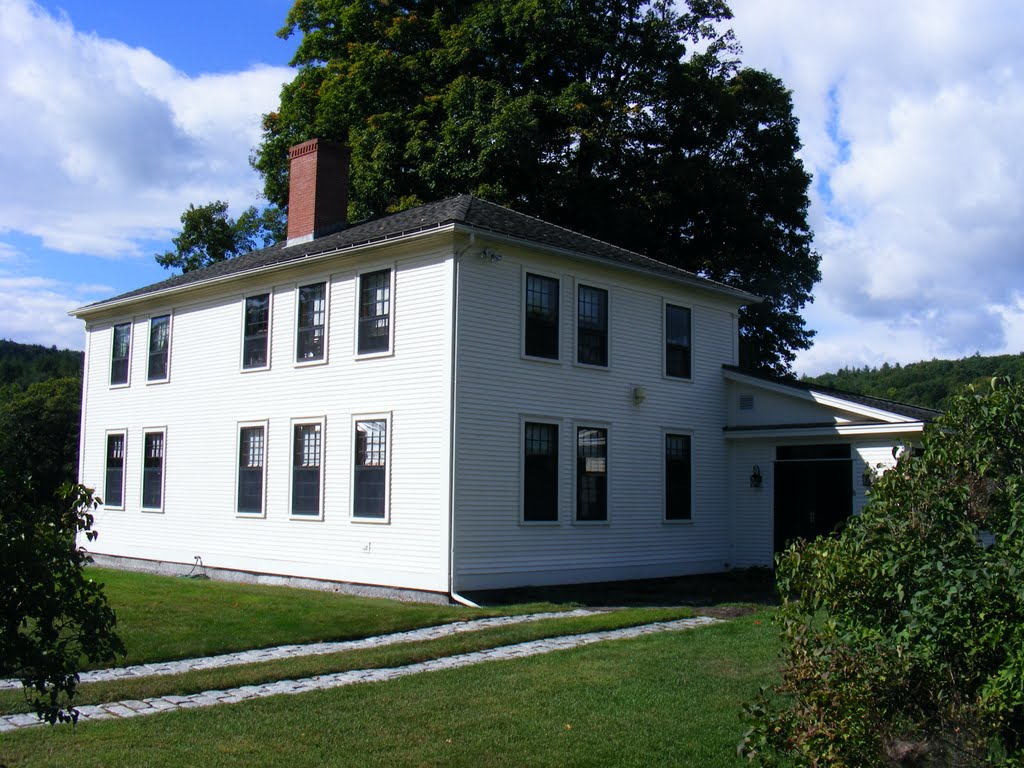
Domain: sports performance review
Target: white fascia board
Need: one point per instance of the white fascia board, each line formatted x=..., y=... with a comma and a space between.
x=835, y=402
x=90, y=310
x=696, y=281
x=841, y=430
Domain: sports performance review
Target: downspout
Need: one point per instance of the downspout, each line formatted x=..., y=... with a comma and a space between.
x=456, y=254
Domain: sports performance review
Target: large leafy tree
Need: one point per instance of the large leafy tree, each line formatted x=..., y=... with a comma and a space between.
x=208, y=235
x=624, y=119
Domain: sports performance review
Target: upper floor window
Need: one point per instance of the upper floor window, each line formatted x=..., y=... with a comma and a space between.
x=541, y=316
x=120, y=353
x=251, y=462
x=369, y=492
x=374, y=312
x=678, y=500
x=113, y=487
x=307, y=454
x=592, y=326
x=312, y=323
x=256, y=332
x=591, y=474
x=540, y=472
x=159, y=348
x=153, y=470
x=677, y=342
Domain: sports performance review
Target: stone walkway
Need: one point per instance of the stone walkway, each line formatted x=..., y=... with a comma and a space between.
x=310, y=649
x=156, y=705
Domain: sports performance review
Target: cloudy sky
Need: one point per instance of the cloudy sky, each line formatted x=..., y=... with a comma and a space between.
x=912, y=118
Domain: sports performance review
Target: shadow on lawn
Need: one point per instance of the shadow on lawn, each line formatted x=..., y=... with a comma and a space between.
x=726, y=594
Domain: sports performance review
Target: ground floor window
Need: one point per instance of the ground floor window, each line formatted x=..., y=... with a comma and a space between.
x=678, y=498
x=153, y=470
x=113, y=488
x=251, y=461
x=540, y=472
x=307, y=455
x=591, y=474
x=369, y=482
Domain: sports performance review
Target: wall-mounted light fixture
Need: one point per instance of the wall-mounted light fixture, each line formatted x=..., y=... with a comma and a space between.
x=755, y=477
x=639, y=395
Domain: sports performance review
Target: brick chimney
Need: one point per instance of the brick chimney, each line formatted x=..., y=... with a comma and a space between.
x=317, y=190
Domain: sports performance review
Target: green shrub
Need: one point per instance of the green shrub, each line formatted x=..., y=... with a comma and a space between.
x=903, y=634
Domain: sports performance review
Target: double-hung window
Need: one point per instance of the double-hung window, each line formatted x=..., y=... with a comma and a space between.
x=256, y=332
x=540, y=472
x=370, y=473
x=153, y=448
x=120, y=353
x=541, y=321
x=159, y=348
x=374, y=312
x=113, y=486
x=312, y=323
x=252, y=451
x=591, y=474
x=678, y=498
x=677, y=342
x=307, y=456
x=592, y=326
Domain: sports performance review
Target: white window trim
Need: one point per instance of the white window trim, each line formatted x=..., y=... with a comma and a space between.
x=124, y=467
x=357, y=283
x=522, y=315
x=576, y=324
x=163, y=471
x=322, y=421
x=266, y=442
x=170, y=343
x=131, y=349
x=270, y=331
x=523, y=420
x=327, y=324
x=385, y=416
x=665, y=303
x=594, y=424
x=688, y=431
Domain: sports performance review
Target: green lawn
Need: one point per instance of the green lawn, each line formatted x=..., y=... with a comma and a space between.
x=667, y=699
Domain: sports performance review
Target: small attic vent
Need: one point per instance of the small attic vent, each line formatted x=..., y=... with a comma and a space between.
x=746, y=402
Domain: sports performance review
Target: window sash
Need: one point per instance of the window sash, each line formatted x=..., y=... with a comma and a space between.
x=592, y=326
x=374, y=312
x=369, y=496
x=113, y=489
x=256, y=332
x=312, y=322
x=541, y=309
x=153, y=470
x=678, y=477
x=159, y=347
x=251, y=453
x=591, y=474
x=306, y=459
x=540, y=472
x=119, y=353
x=677, y=341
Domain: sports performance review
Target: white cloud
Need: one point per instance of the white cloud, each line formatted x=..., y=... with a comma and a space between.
x=910, y=116
x=33, y=310
x=109, y=143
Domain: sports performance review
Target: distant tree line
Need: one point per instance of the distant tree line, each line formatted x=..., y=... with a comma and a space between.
x=929, y=383
x=24, y=364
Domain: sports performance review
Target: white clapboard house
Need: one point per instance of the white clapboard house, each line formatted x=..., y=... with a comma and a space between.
x=454, y=397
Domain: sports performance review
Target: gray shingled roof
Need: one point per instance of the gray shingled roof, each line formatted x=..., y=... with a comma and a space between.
x=915, y=412
x=463, y=209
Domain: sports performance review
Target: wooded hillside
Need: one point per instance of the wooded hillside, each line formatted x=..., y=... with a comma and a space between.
x=928, y=383
x=25, y=364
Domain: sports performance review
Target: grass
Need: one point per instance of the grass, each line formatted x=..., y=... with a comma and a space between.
x=668, y=699
x=163, y=618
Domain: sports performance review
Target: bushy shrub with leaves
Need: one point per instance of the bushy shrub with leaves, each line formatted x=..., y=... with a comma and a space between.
x=903, y=634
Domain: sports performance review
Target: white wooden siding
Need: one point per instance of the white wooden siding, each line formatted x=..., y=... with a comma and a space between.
x=497, y=388
x=775, y=408
x=208, y=396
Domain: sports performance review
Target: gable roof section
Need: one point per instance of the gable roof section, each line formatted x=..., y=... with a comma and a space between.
x=874, y=408
x=464, y=210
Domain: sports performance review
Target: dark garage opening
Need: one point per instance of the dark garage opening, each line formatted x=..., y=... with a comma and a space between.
x=813, y=490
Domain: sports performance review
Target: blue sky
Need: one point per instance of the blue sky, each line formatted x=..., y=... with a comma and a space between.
x=116, y=115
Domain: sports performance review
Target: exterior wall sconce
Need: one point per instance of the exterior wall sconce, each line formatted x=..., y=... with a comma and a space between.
x=639, y=395
x=755, y=477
